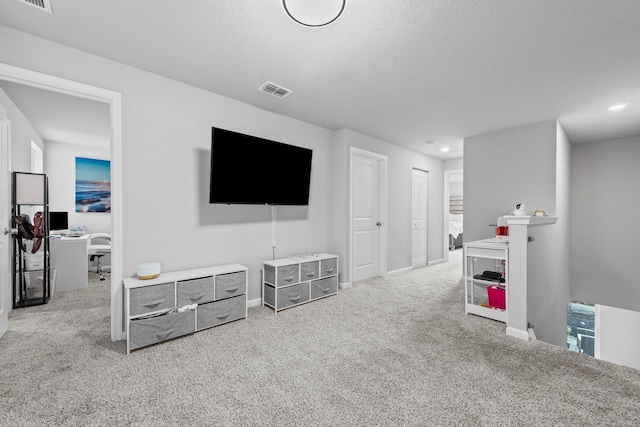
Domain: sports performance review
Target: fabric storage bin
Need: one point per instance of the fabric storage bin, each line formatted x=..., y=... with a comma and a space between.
x=34, y=261
x=34, y=281
x=497, y=297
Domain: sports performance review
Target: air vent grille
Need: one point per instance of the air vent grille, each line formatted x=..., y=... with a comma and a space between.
x=44, y=5
x=275, y=90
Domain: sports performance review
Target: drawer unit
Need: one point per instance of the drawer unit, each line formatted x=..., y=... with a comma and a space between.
x=219, y=312
x=329, y=267
x=195, y=291
x=152, y=298
x=309, y=270
x=292, y=295
x=288, y=275
x=324, y=287
x=161, y=328
x=156, y=310
x=293, y=281
x=229, y=285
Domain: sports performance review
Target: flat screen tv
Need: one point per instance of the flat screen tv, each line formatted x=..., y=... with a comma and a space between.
x=250, y=170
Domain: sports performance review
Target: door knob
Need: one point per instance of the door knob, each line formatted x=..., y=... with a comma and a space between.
x=378, y=223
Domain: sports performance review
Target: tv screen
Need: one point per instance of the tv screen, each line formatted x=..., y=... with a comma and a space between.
x=58, y=221
x=250, y=170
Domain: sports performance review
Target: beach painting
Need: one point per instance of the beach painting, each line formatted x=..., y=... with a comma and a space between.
x=93, y=185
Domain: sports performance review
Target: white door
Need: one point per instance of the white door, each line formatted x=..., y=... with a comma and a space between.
x=419, y=219
x=366, y=217
x=5, y=222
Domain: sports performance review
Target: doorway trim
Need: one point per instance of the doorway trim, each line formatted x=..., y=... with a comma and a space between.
x=426, y=217
x=354, y=151
x=68, y=87
x=445, y=224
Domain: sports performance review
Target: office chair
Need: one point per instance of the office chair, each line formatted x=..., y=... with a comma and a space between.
x=97, y=249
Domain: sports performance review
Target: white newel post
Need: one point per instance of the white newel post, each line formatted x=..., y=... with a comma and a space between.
x=517, y=294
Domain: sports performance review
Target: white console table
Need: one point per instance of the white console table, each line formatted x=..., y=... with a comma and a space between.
x=69, y=258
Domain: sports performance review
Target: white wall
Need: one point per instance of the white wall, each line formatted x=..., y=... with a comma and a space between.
x=604, y=224
x=22, y=133
x=548, y=277
x=504, y=168
x=60, y=167
x=453, y=164
x=616, y=336
x=166, y=132
x=528, y=164
x=401, y=161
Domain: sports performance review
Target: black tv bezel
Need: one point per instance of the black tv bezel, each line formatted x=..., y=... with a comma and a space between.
x=304, y=201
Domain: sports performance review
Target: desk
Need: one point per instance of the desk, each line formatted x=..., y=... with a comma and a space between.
x=69, y=258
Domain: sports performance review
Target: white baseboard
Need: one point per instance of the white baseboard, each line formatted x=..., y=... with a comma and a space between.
x=532, y=335
x=254, y=302
x=399, y=271
x=436, y=261
x=517, y=333
x=344, y=285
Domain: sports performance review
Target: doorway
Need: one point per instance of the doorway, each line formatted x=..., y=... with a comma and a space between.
x=5, y=276
x=113, y=99
x=419, y=218
x=453, y=211
x=368, y=209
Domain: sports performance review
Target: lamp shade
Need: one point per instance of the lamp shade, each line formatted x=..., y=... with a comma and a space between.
x=314, y=13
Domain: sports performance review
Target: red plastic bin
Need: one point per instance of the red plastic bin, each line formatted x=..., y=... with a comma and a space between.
x=497, y=297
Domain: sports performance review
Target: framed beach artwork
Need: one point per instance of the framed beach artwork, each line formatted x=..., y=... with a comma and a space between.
x=93, y=185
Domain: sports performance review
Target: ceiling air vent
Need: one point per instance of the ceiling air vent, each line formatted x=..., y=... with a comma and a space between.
x=44, y=5
x=275, y=90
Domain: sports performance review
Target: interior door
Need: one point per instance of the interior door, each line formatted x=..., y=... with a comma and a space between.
x=5, y=222
x=419, y=219
x=366, y=217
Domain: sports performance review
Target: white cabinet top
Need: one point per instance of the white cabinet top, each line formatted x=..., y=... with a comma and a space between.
x=299, y=259
x=530, y=220
x=492, y=243
x=134, y=282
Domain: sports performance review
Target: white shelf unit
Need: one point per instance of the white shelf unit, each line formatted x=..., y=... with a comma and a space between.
x=289, y=282
x=182, y=302
x=480, y=256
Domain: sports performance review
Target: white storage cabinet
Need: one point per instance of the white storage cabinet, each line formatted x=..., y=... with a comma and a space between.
x=183, y=302
x=297, y=280
x=480, y=256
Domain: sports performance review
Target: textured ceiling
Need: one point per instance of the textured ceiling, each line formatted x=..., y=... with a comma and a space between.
x=405, y=71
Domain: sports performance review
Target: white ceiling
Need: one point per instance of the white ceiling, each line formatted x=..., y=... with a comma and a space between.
x=405, y=71
x=62, y=118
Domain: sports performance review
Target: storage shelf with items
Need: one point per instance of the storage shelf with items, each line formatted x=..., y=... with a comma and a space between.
x=486, y=275
x=183, y=302
x=289, y=282
x=31, y=271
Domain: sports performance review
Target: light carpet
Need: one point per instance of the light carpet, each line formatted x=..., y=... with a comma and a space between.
x=393, y=351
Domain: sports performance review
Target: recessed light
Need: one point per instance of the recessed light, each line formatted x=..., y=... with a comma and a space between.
x=445, y=149
x=617, y=107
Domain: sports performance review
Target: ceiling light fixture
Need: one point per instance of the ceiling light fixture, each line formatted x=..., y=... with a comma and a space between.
x=445, y=149
x=617, y=107
x=314, y=13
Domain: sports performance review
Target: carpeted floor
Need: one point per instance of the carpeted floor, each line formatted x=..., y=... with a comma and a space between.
x=394, y=351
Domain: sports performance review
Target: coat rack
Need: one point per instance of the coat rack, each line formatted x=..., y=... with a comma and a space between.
x=30, y=266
